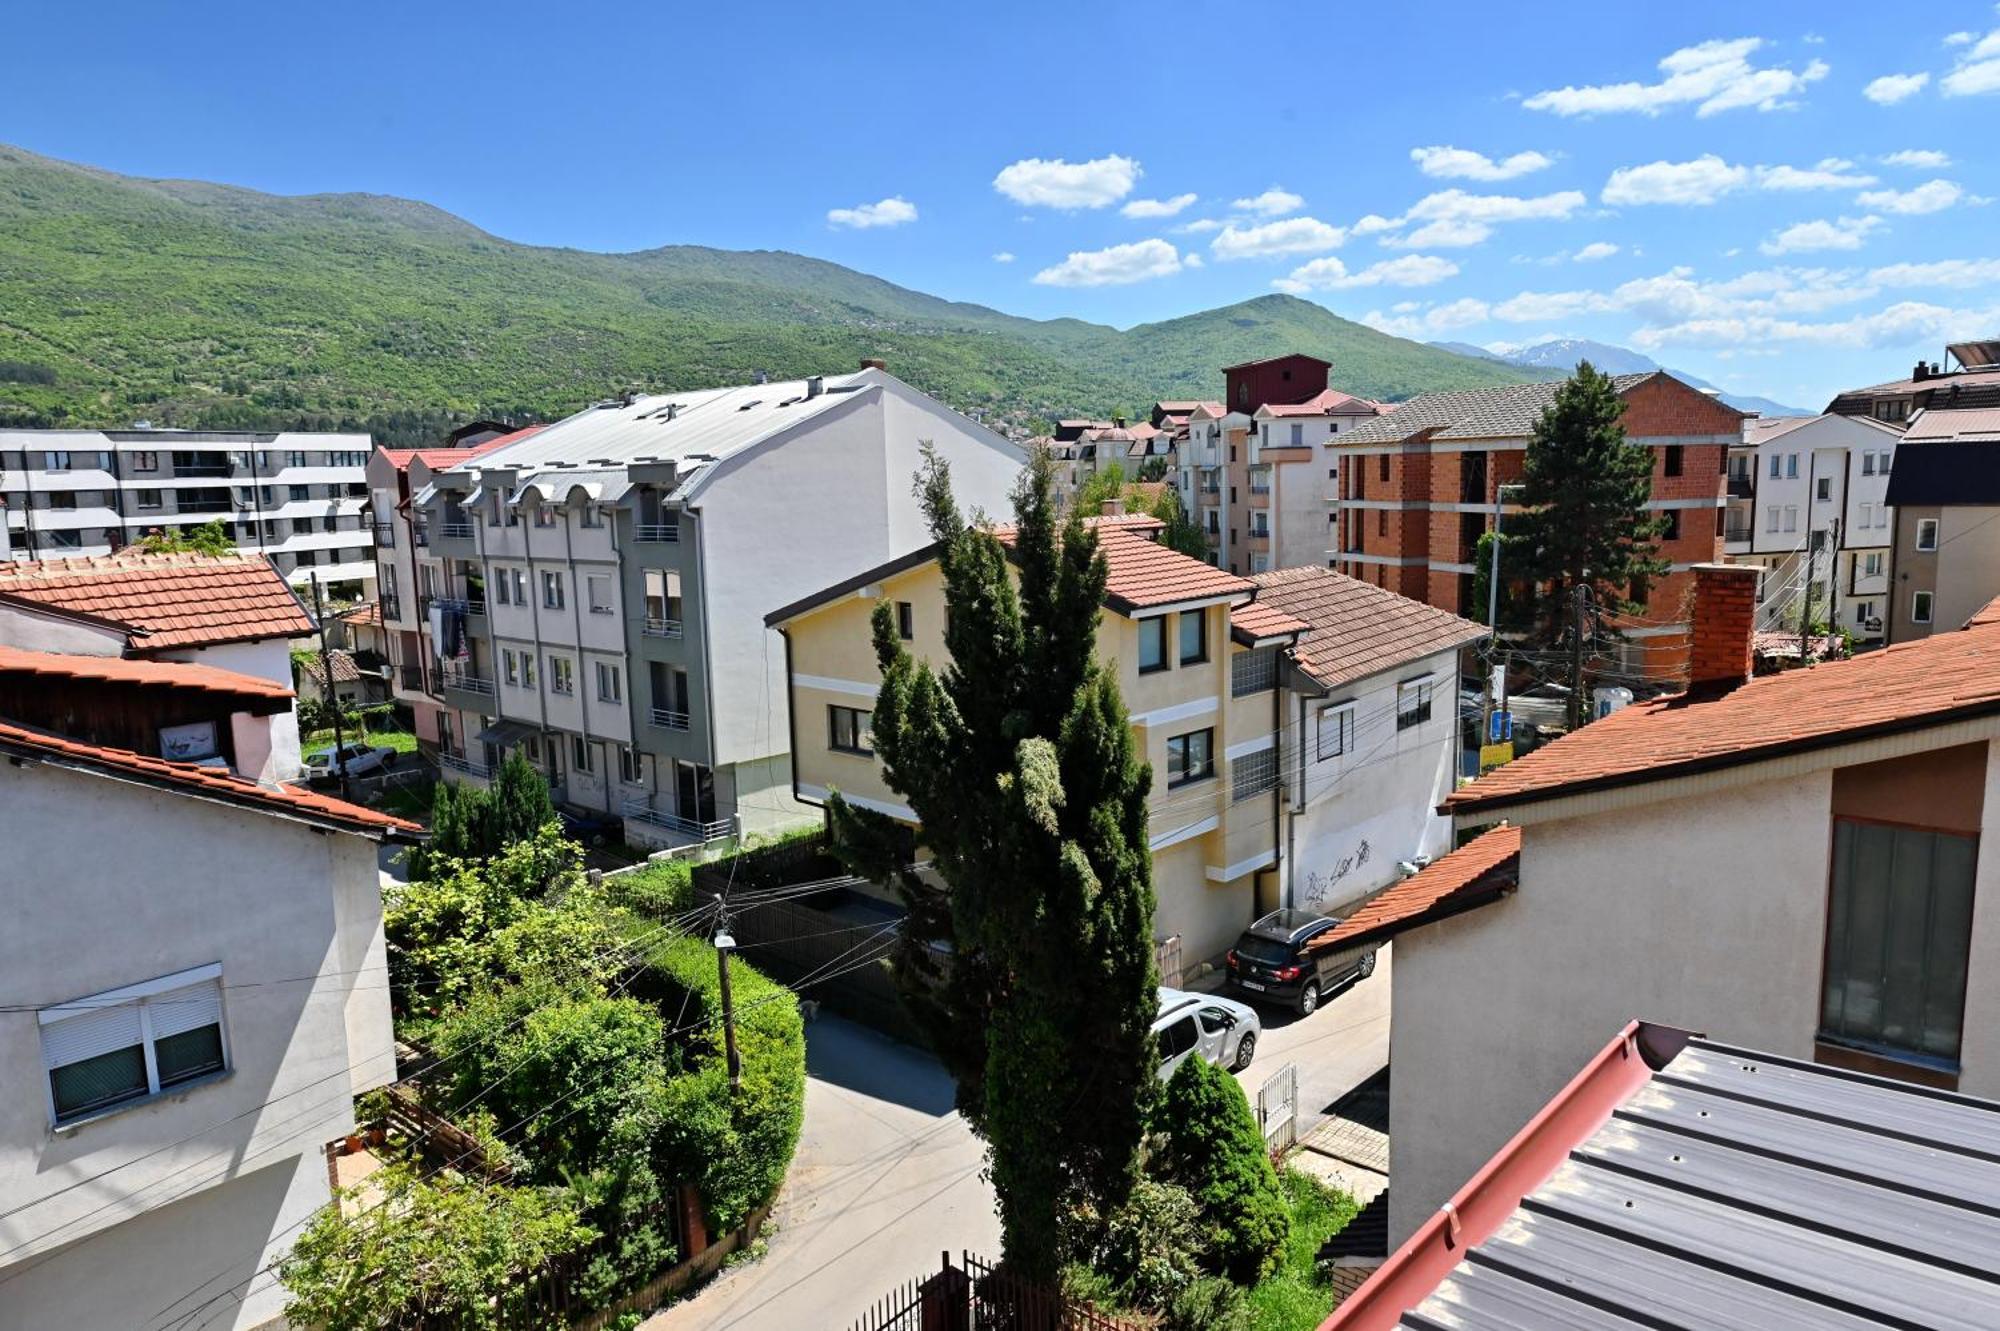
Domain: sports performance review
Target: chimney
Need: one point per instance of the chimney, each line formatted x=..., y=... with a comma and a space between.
x=1117, y=422
x=1725, y=615
x=815, y=386
x=874, y=363
x=1921, y=373
x=1112, y=508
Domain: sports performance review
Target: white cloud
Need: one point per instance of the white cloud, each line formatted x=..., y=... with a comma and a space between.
x=1055, y=183
x=1845, y=233
x=1157, y=207
x=1465, y=164
x=1595, y=250
x=1273, y=202
x=1961, y=39
x=1930, y=197
x=1201, y=224
x=893, y=211
x=1294, y=235
x=1004, y=256
x=1373, y=223
x=1190, y=260
x=1330, y=274
x=1118, y=265
x=1409, y=321
x=1456, y=205
x=1712, y=76
x=1536, y=306
x=1939, y=273
x=1929, y=159
x=1898, y=325
x=1893, y=88
x=1697, y=183
x=1830, y=173
x=1978, y=69
x=1445, y=233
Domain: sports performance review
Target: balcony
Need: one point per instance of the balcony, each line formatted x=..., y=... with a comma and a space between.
x=661, y=628
x=455, y=531
x=657, y=533
x=1738, y=535
x=411, y=678
x=1742, y=486
x=473, y=691
x=668, y=720
x=639, y=811
x=183, y=469
x=385, y=534
x=392, y=607
x=452, y=762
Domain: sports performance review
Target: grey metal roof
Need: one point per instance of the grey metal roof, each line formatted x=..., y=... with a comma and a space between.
x=1739, y=1190
x=1506, y=412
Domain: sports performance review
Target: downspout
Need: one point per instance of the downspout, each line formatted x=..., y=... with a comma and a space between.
x=625, y=650
x=1279, y=823
x=708, y=663
x=1298, y=806
x=535, y=620
x=118, y=497
x=576, y=619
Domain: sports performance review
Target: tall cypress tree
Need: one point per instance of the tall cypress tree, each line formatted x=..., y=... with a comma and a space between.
x=1017, y=758
x=1586, y=490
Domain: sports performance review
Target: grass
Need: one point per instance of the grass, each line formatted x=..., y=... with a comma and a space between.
x=402, y=741
x=1296, y=1294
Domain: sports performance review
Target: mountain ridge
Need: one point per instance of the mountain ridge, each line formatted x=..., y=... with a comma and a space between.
x=196, y=303
x=1561, y=354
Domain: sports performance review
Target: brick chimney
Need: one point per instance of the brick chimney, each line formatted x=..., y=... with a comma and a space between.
x=1112, y=508
x=1725, y=616
x=875, y=363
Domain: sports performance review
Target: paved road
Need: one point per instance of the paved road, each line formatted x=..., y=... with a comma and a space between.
x=1336, y=1048
x=887, y=1175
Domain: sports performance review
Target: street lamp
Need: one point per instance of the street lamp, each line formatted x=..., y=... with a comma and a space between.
x=1493, y=612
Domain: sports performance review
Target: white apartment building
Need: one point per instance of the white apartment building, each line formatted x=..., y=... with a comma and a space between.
x=193, y=996
x=295, y=496
x=1807, y=498
x=594, y=594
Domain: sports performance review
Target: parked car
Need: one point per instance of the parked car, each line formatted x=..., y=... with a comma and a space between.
x=355, y=759
x=592, y=827
x=1221, y=1030
x=1275, y=962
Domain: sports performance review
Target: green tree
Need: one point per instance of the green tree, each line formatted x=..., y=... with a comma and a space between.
x=210, y=538
x=1181, y=531
x=1586, y=490
x=1214, y=1148
x=1018, y=760
x=1107, y=483
x=476, y=823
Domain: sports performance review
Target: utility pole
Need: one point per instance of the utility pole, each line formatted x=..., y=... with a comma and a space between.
x=1578, y=597
x=724, y=945
x=1493, y=615
x=330, y=694
x=1805, y=613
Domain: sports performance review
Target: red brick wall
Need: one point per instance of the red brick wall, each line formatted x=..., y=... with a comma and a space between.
x=1251, y=387
x=1664, y=406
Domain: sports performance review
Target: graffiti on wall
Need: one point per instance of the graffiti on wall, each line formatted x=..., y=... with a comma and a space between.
x=1319, y=886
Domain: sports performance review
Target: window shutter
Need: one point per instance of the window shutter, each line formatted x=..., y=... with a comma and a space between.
x=189, y=1009
x=72, y=1039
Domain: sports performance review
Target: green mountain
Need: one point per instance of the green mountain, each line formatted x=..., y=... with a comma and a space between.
x=199, y=304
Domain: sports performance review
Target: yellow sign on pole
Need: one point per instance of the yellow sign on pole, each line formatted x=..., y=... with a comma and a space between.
x=1493, y=755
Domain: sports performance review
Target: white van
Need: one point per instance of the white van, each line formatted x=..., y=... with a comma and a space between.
x=1221, y=1030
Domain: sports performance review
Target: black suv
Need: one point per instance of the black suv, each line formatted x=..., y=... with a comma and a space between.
x=1274, y=960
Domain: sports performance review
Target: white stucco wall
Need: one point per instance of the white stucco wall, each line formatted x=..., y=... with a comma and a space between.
x=293, y=916
x=267, y=658
x=35, y=632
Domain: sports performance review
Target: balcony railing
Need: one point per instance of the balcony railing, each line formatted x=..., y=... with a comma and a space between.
x=461, y=531
x=465, y=605
x=669, y=720
x=392, y=607
x=1738, y=533
x=1742, y=487
x=661, y=628
x=385, y=533
x=412, y=677
x=201, y=469
x=452, y=762
x=467, y=683
x=673, y=822
x=653, y=533
x=423, y=533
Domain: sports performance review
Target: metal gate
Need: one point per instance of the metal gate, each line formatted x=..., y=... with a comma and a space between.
x=1278, y=1108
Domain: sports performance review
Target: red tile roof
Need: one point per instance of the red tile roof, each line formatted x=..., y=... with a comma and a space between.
x=201, y=782
x=120, y=670
x=1985, y=615
x=437, y=459
x=1258, y=621
x=345, y=671
x=1481, y=869
x=366, y=615
x=1946, y=677
x=163, y=601
x=1143, y=573
x=1358, y=629
x=1323, y=403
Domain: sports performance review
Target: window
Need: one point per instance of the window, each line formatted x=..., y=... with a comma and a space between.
x=1177, y=1039
x=590, y=515
x=562, y=674
x=65, y=499
x=520, y=579
x=300, y=492
x=1253, y=672
x=1865, y=515
x=1190, y=757
x=1194, y=636
x=295, y=459
x=906, y=621
x=527, y=670
x=1791, y=466
x=848, y=730
x=1152, y=644
x=1823, y=489
x=145, y=462
x=510, y=669
x=629, y=770
x=56, y=459
x=545, y=515
x=579, y=754
x=114, y=1048
x=552, y=591
x=1771, y=518
x=1863, y=612
x=1671, y=459
x=1868, y=463
x=1336, y=730
x=1871, y=564
x=1670, y=529
x=1413, y=703
x=610, y=685
x=1777, y=466
x=1298, y=434
x=1897, y=935
x=1883, y=466
x=1791, y=517
x=148, y=498
x=597, y=587
x=1920, y=608
x=1927, y=534
x=1253, y=774
x=503, y=587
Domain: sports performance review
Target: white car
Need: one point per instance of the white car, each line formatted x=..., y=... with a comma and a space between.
x=356, y=759
x=1221, y=1030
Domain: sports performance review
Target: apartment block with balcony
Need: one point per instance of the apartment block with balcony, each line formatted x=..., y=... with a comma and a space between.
x=297, y=497
x=598, y=588
x=1295, y=761
x=1417, y=488
x=1944, y=549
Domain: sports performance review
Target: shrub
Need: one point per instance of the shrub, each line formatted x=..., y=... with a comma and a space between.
x=1208, y=1304
x=475, y=822
x=1215, y=1150
x=660, y=889
x=1150, y=1247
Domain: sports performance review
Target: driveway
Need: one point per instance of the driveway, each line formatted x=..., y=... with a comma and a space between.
x=886, y=1177
x=1336, y=1048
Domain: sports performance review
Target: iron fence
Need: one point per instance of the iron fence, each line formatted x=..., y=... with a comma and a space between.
x=975, y=1295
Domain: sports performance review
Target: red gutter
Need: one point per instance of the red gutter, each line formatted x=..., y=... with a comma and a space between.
x=1522, y=1165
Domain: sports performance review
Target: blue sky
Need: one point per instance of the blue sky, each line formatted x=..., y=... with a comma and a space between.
x=1785, y=199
